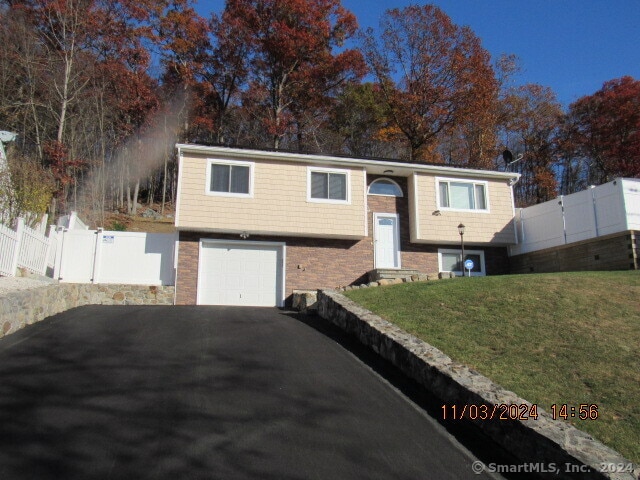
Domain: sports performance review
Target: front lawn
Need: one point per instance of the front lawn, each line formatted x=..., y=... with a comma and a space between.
x=566, y=338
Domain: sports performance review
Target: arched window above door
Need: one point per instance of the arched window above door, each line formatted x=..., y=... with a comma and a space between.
x=385, y=186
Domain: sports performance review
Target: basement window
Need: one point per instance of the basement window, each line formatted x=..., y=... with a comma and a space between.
x=450, y=260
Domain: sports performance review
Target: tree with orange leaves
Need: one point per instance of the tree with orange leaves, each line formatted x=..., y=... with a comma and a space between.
x=293, y=66
x=434, y=74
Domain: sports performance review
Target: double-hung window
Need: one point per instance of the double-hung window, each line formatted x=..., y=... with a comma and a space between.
x=327, y=185
x=227, y=178
x=462, y=195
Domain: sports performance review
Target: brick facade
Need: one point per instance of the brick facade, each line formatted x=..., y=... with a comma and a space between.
x=313, y=263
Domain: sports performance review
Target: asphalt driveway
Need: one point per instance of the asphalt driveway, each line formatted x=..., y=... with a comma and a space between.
x=205, y=393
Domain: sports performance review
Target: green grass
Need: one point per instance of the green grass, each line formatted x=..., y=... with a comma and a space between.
x=566, y=338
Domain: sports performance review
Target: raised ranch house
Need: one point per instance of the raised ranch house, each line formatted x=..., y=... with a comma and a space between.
x=256, y=225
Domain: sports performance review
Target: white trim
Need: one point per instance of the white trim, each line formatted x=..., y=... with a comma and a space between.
x=401, y=168
x=484, y=183
x=338, y=171
x=215, y=161
x=415, y=227
x=384, y=194
x=483, y=268
x=366, y=202
x=239, y=243
x=396, y=236
x=176, y=219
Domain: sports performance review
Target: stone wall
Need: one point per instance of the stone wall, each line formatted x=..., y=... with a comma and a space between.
x=619, y=251
x=541, y=441
x=25, y=307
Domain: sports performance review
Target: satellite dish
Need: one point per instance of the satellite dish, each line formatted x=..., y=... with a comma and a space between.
x=6, y=137
x=507, y=156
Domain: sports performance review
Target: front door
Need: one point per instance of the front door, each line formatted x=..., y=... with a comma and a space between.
x=387, y=240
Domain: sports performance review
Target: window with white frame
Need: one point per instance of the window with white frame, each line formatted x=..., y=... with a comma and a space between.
x=229, y=178
x=385, y=187
x=462, y=195
x=327, y=185
x=450, y=260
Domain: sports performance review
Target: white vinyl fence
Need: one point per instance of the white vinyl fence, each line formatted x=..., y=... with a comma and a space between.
x=609, y=208
x=134, y=258
x=26, y=248
x=72, y=253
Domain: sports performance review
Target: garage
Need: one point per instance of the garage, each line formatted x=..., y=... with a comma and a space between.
x=241, y=273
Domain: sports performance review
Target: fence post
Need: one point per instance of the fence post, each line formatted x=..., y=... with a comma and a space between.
x=595, y=209
x=57, y=269
x=97, y=257
x=16, y=252
x=50, y=237
x=72, y=220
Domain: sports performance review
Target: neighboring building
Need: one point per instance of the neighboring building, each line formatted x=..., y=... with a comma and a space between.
x=595, y=229
x=256, y=225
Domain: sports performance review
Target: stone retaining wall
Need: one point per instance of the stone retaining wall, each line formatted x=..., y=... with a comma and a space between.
x=542, y=441
x=619, y=251
x=25, y=307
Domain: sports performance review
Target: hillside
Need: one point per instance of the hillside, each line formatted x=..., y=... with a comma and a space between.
x=554, y=339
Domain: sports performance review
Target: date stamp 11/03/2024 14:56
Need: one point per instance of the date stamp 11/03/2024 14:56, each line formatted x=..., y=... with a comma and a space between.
x=523, y=411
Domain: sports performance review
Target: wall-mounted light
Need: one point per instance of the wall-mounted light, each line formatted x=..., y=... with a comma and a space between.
x=244, y=235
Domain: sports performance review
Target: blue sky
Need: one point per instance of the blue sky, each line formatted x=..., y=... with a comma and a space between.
x=572, y=46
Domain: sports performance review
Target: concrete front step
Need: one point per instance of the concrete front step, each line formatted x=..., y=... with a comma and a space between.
x=388, y=273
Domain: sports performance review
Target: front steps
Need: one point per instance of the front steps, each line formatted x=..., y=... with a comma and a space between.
x=391, y=273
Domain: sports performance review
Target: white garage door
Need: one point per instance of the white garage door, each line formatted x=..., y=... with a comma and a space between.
x=241, y=273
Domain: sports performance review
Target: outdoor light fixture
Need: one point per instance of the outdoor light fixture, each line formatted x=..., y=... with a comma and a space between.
x=244, y=235
x=461, y=228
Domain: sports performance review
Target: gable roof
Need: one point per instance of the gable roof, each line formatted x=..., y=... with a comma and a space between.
x=372, y=166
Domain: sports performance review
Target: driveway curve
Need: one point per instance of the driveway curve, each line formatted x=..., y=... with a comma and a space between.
x=205, y=393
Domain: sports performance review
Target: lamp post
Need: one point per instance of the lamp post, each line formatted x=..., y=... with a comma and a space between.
x=461, y=232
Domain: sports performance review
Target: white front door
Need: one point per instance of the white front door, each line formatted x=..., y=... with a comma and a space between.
x=386, y=235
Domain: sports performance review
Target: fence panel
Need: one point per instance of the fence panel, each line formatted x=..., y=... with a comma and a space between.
x=135, y=258
x=8, y=245
x=541, y=226
x=579, y=216
x=631, y=194
x=610, y=211
x=33, y=251
x=77, y=256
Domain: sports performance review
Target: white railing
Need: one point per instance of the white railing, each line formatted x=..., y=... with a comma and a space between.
x=24, y=248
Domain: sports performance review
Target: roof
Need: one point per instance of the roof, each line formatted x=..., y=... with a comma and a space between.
x=373, y=166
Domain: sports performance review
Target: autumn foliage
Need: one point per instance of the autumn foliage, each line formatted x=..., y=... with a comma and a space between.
x=100, y=90
x=605, y=128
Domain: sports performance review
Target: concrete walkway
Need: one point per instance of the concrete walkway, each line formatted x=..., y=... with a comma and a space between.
x=205, y=393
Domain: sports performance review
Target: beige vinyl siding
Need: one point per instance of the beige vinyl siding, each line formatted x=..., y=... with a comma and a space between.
x=494, y=227
x=278, y=205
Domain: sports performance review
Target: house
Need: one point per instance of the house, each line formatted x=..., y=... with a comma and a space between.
x=256, y=225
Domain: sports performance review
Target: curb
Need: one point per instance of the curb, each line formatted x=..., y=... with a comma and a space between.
x=540, y=441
